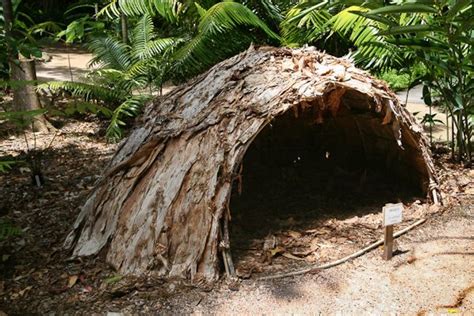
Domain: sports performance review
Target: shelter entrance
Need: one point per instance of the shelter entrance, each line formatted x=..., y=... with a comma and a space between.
x=305, y=184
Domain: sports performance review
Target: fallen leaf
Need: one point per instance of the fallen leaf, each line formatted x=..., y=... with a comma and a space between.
x=72, y=280
x=294, y=234
x=291, y=256
x=277, y=250
x=22, y=292
x=113, y=279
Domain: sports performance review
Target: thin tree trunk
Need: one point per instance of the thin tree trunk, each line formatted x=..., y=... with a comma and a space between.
x=124, y=26
x=8, y=17
x=21, y=69
x=25, y=97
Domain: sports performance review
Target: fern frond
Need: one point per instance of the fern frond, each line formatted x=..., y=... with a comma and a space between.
x=158, y=46
x=129, y=107
x=6, y=165
x=110, y=53
x=144, y=41
x=87, y=107
x=83, y=90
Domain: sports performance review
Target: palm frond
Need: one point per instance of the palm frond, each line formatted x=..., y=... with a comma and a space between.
x=225, y=16
x=168, y=9
x=373, y=50
x=209, y=44
x=305, y=24
x=110, y=53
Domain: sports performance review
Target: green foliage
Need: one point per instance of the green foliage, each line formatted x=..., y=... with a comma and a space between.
x=6, y=165
x=127, y=73
x=309, y=22
x=78, y=29
x=220, y=21
x=443, y=41
x=395, y=79
x=22, y=119
x=7, y=229
x=130, y=107
x=405, y=78
x=125, y=77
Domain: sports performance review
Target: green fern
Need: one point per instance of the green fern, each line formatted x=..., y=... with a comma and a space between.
x=110, y=53
x=85, y=91
x=130, y=108
x=145, y=43
x=6, y=165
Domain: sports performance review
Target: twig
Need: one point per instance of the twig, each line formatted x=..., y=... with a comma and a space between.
x=342, y=260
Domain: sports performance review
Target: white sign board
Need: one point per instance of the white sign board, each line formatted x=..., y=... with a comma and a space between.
x=392, y=214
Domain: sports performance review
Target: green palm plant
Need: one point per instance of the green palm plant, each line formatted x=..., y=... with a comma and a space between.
x=443, y=41
x=129, y=71
x=122, y=75
x=309, y=22
x=222, y=20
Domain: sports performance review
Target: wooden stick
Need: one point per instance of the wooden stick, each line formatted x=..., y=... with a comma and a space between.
x=388, y=242
x=225, y=246
x=359, y=253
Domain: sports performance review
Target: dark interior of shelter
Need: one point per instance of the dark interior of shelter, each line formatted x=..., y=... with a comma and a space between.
x=305, y=167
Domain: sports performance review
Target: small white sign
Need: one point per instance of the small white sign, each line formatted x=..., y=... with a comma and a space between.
x=392, y=214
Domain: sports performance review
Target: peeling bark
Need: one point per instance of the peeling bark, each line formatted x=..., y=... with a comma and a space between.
x=159, y=205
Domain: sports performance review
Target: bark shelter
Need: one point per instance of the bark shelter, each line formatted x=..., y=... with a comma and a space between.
x=162, y=205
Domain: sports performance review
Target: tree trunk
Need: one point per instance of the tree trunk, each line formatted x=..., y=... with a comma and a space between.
x=25, y=97
x=124, y=27
x=8, y=19
x=163, y=202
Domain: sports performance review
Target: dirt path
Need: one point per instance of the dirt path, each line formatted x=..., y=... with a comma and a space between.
x=415, y=104
x=64, y=64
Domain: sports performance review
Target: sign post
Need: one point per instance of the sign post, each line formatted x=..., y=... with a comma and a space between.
x=392, y=214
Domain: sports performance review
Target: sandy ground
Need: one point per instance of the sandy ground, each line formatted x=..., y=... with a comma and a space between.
x=57, y=68
x=434, y=273
x=415, y=104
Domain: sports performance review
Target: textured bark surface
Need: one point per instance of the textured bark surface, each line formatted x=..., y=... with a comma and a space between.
x=25, y=97
x=159, y=206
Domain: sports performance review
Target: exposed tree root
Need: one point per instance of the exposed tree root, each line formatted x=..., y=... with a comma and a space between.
x=359, y=253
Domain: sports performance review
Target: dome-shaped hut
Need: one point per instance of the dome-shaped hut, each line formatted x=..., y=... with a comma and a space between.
x=162, y=204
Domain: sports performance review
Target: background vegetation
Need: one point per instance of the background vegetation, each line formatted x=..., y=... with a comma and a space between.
x=139, y=45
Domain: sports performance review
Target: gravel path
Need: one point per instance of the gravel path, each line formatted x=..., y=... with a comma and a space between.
x=433, y=273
